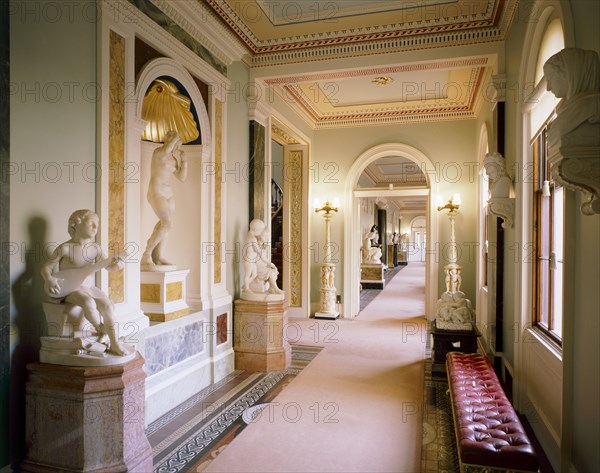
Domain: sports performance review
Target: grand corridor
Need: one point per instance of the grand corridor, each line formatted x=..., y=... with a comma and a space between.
x=350, y=405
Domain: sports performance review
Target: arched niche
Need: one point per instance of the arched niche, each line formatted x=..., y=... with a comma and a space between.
x=193, y=198
x=352, y=237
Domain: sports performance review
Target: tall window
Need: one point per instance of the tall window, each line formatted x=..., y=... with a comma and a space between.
x=548, y=200
x=548, y=236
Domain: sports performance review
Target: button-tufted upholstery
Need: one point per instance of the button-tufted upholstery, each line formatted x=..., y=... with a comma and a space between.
x=488, y=430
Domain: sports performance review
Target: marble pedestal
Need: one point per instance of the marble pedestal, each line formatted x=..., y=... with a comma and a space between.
x=371, y=276
x=86, y=419
x=260, y=336
x=163, y=294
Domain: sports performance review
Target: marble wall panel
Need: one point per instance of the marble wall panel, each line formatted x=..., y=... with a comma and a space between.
x=257, y=169
x=221, y=328
x=116, y=161
x=218, y=187
x=295, y=159
x=168, y=348
x=166, y=23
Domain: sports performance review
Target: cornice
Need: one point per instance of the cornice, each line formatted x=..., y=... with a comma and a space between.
x=164, y=41
x=214, y=36
x=282, y=135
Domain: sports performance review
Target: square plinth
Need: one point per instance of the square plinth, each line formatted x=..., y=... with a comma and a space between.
x=163, y=294
x=371, y=276
x=260, y=336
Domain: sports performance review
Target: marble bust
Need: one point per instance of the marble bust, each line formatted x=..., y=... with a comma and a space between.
x=260, y=274
x=574, y=75
x=500, y=182
x=574, y=136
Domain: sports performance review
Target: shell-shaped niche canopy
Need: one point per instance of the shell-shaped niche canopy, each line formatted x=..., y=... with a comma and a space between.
x=165, y=108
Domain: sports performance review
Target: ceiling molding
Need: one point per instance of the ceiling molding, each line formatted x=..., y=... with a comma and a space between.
x=320, y=115
x=422, y=26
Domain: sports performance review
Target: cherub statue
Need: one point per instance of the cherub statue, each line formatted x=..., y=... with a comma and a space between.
x=267, y=271
x=167, y=160
x=76, y=260
x=260, y=274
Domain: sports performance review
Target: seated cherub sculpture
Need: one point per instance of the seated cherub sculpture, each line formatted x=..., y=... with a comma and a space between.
x=260, y=274
x=76, y=261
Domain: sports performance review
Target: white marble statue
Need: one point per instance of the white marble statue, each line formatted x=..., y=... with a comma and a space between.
x=404, y=241
x=260, y=274
x=453, y=280
x=574, y=75
x=500, y=182
x=69, y=280
x=395, y=238
x=454, y=312
x=167, y=160
x=371, y=249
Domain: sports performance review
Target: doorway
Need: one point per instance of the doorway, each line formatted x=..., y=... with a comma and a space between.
x=352, y=237
x=418, y=239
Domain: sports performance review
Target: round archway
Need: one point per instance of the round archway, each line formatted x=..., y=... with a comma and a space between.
x=352, y=237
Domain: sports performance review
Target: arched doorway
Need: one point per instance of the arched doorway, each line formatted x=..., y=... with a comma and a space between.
x=418, y=239
x=352, y=237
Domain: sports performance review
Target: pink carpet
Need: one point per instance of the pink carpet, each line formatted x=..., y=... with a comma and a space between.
x=357, y=407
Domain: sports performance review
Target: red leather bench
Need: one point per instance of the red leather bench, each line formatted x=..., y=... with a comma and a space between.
x=489, y=435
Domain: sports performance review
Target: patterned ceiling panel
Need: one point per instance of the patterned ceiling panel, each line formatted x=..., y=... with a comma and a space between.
x=432, y=91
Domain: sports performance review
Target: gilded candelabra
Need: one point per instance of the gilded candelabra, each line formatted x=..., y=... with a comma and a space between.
x=328, y=305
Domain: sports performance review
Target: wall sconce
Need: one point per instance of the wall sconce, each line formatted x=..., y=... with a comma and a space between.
x=327, y=303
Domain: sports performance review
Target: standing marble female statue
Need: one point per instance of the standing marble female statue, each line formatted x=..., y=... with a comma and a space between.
x=574, y=75
x=167, y=160
x=371, y=249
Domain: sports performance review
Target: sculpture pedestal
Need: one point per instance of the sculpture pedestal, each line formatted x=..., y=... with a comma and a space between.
x=86, y=419
x=260, y=336
x=163, y=294
x=371, y=276
x=445, y=341
x=402, y=258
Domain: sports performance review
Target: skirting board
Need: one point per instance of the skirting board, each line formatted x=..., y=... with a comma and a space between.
x=172, y=386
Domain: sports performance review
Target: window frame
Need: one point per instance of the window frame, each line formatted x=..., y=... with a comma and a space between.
x=543, y=314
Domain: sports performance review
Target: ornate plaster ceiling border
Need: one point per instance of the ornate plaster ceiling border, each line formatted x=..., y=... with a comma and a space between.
x=372, y=42
x=309, y=112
